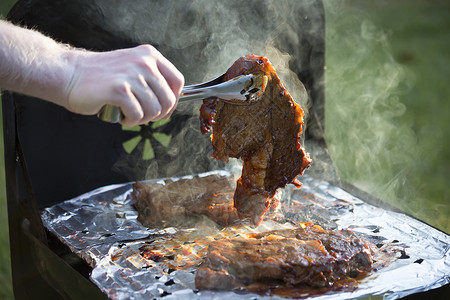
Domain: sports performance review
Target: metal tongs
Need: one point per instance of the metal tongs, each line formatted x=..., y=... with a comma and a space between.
x=241, y=90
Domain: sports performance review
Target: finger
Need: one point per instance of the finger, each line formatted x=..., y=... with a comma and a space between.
x=163, y=92
x=129, y=105
x=148, y=100
x=173, y=77
x=171, y=74
x=169, y=114
x=177, y=93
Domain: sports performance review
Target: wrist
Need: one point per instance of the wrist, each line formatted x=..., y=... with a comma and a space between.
x=70, y=59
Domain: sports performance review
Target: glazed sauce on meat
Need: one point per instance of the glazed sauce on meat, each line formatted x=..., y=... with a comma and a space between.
x=292, y=263
x=264, y=134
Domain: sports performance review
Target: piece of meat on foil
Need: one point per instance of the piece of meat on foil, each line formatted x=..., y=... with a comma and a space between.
x=289, y=257
x=265, y=134
x=184, y=201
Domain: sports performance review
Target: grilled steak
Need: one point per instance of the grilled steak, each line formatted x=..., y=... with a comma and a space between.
x=179, y=202
x=264, y=134
x=291, y=257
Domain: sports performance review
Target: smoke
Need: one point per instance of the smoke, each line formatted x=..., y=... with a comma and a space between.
x=370, y=145
x=203, y=39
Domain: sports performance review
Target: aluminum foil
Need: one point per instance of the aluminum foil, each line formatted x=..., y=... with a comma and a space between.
x=101, y=227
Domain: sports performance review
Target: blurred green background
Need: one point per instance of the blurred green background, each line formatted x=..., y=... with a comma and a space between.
x=387, y=110
x=387, y=101
x=5, y=267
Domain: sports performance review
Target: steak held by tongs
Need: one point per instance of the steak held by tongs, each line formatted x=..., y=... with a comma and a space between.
x=265, y=134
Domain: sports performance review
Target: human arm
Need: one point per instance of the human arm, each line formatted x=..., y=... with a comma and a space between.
x=139, y=80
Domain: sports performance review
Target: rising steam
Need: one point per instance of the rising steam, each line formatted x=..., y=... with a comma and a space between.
x=203, y=39
x=369, y=145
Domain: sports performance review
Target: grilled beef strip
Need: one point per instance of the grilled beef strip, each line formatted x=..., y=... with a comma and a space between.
x=264, y=134
x=176, y=203
x=292, y=257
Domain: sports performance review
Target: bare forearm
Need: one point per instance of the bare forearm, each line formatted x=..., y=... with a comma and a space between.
x=33, y=64
x=141, y=81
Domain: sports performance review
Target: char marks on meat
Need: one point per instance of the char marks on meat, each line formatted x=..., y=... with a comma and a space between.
x=176, y=203
x=291, y=257
x=264, y=134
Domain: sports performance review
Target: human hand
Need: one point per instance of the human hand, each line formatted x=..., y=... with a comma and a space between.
x=141, y=81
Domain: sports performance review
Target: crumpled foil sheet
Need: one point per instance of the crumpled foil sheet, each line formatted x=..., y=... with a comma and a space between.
x=101, y=227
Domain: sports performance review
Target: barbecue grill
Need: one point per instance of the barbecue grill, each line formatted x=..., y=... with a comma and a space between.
x=52, y=155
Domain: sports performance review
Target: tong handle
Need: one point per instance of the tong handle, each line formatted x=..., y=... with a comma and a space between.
x=233, y=89
x=110, y=113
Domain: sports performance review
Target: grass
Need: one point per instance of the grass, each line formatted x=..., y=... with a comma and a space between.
x=387, y=107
